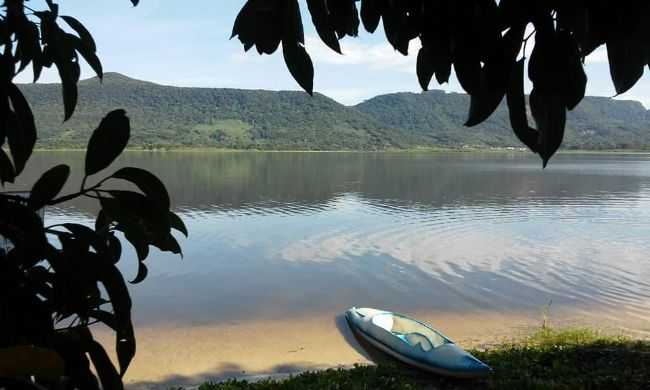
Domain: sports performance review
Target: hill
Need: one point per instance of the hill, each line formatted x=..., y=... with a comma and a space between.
x=234, y=118
x=437, y=117
x=163, y=115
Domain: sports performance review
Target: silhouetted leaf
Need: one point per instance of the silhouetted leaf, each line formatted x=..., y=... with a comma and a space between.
x=86, y=38
x=468, y=73
x=62, y=51
x=147, y=182
x=113, y=249
x=85, y=234
x=135, y=2
x=394, y=19
x=344, y=17
x=125, y=348
x=495, y=76
x=125, y=212
x=5, y=109
x=79, y=341
x=546, y=69
x=425, y=68
x=576, y=77
x=258, y=24
x=69, y=73
x=514, y=12
x=241, y=18
x=321, y=19
x=22, y=131
x=177, y=223
x=370, y=14
x=549, y=111
x=142, y=273
x=517, y=108
x=7, y=174
x=24, y=228
x=53, y=7
x=295, y=55
x=168, y=244
x=483, y=103
x=29, y=47
x=70, y=344
x=107, y=318
x=105, y=370
x=90, y=56
x=136, y=209
x=627, y=60
x=37, y=63
x=48, y=186
x=102, y=221
x=107, y=141
x=138, y=239
x=39, y=279
x=293, y=31
x=442, y=62
x=118, y=294
x=299, y=65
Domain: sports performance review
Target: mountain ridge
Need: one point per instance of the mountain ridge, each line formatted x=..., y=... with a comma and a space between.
x=169, y=116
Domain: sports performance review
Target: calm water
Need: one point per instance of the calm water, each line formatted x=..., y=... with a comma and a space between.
x=282, y=234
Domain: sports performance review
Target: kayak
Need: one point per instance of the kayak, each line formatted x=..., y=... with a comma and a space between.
x=414, y=343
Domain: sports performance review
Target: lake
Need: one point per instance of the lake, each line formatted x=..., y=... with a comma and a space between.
x=480, y=245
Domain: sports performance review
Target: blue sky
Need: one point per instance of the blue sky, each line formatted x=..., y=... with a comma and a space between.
x=186, y=43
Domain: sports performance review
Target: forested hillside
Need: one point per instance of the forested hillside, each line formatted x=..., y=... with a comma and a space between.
x=232, y=118
x=437, y=117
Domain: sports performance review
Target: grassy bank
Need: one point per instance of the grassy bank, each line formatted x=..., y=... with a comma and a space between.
x=548, y=359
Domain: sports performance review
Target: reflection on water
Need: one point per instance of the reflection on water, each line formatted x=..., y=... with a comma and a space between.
x=277, y=234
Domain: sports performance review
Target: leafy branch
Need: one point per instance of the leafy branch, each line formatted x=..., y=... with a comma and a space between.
x=481, y=41
x=43, y=286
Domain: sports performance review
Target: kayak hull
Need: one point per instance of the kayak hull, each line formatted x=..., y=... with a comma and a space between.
x=442, y=357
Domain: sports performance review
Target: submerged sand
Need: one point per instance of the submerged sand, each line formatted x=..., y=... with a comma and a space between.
x=189, y=355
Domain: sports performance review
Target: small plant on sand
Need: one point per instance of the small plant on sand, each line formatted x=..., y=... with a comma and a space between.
x=546, y=309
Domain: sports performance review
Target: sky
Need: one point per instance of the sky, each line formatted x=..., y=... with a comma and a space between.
x=186, y=43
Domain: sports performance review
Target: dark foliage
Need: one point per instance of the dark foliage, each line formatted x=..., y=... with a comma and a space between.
x=56, y=281
x=482, y=41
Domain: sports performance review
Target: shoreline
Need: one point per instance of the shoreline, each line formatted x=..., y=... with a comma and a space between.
x=191, y=354
x=377, y=151
x=547, y=358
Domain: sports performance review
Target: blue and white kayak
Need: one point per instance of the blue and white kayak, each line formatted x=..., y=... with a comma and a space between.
x=414, y=343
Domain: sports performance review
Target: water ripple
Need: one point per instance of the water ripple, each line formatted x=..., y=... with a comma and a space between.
x=501, y=236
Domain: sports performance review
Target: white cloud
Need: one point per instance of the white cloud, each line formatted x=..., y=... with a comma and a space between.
x=374, y=56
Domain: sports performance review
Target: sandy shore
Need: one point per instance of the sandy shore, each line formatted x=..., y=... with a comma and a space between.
x=189, y=355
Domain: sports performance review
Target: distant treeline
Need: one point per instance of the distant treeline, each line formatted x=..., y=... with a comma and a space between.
x=164, y=117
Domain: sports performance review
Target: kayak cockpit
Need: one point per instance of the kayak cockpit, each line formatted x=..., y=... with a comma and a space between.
x=412, y=332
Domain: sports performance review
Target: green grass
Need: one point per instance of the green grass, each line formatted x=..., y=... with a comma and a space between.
x=548, y=359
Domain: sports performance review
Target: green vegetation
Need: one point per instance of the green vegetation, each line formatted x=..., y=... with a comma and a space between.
x=597, y=123
x=548, y=359
x=164, y=117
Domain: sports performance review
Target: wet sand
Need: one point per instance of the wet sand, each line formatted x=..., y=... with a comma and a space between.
x=189, y=355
